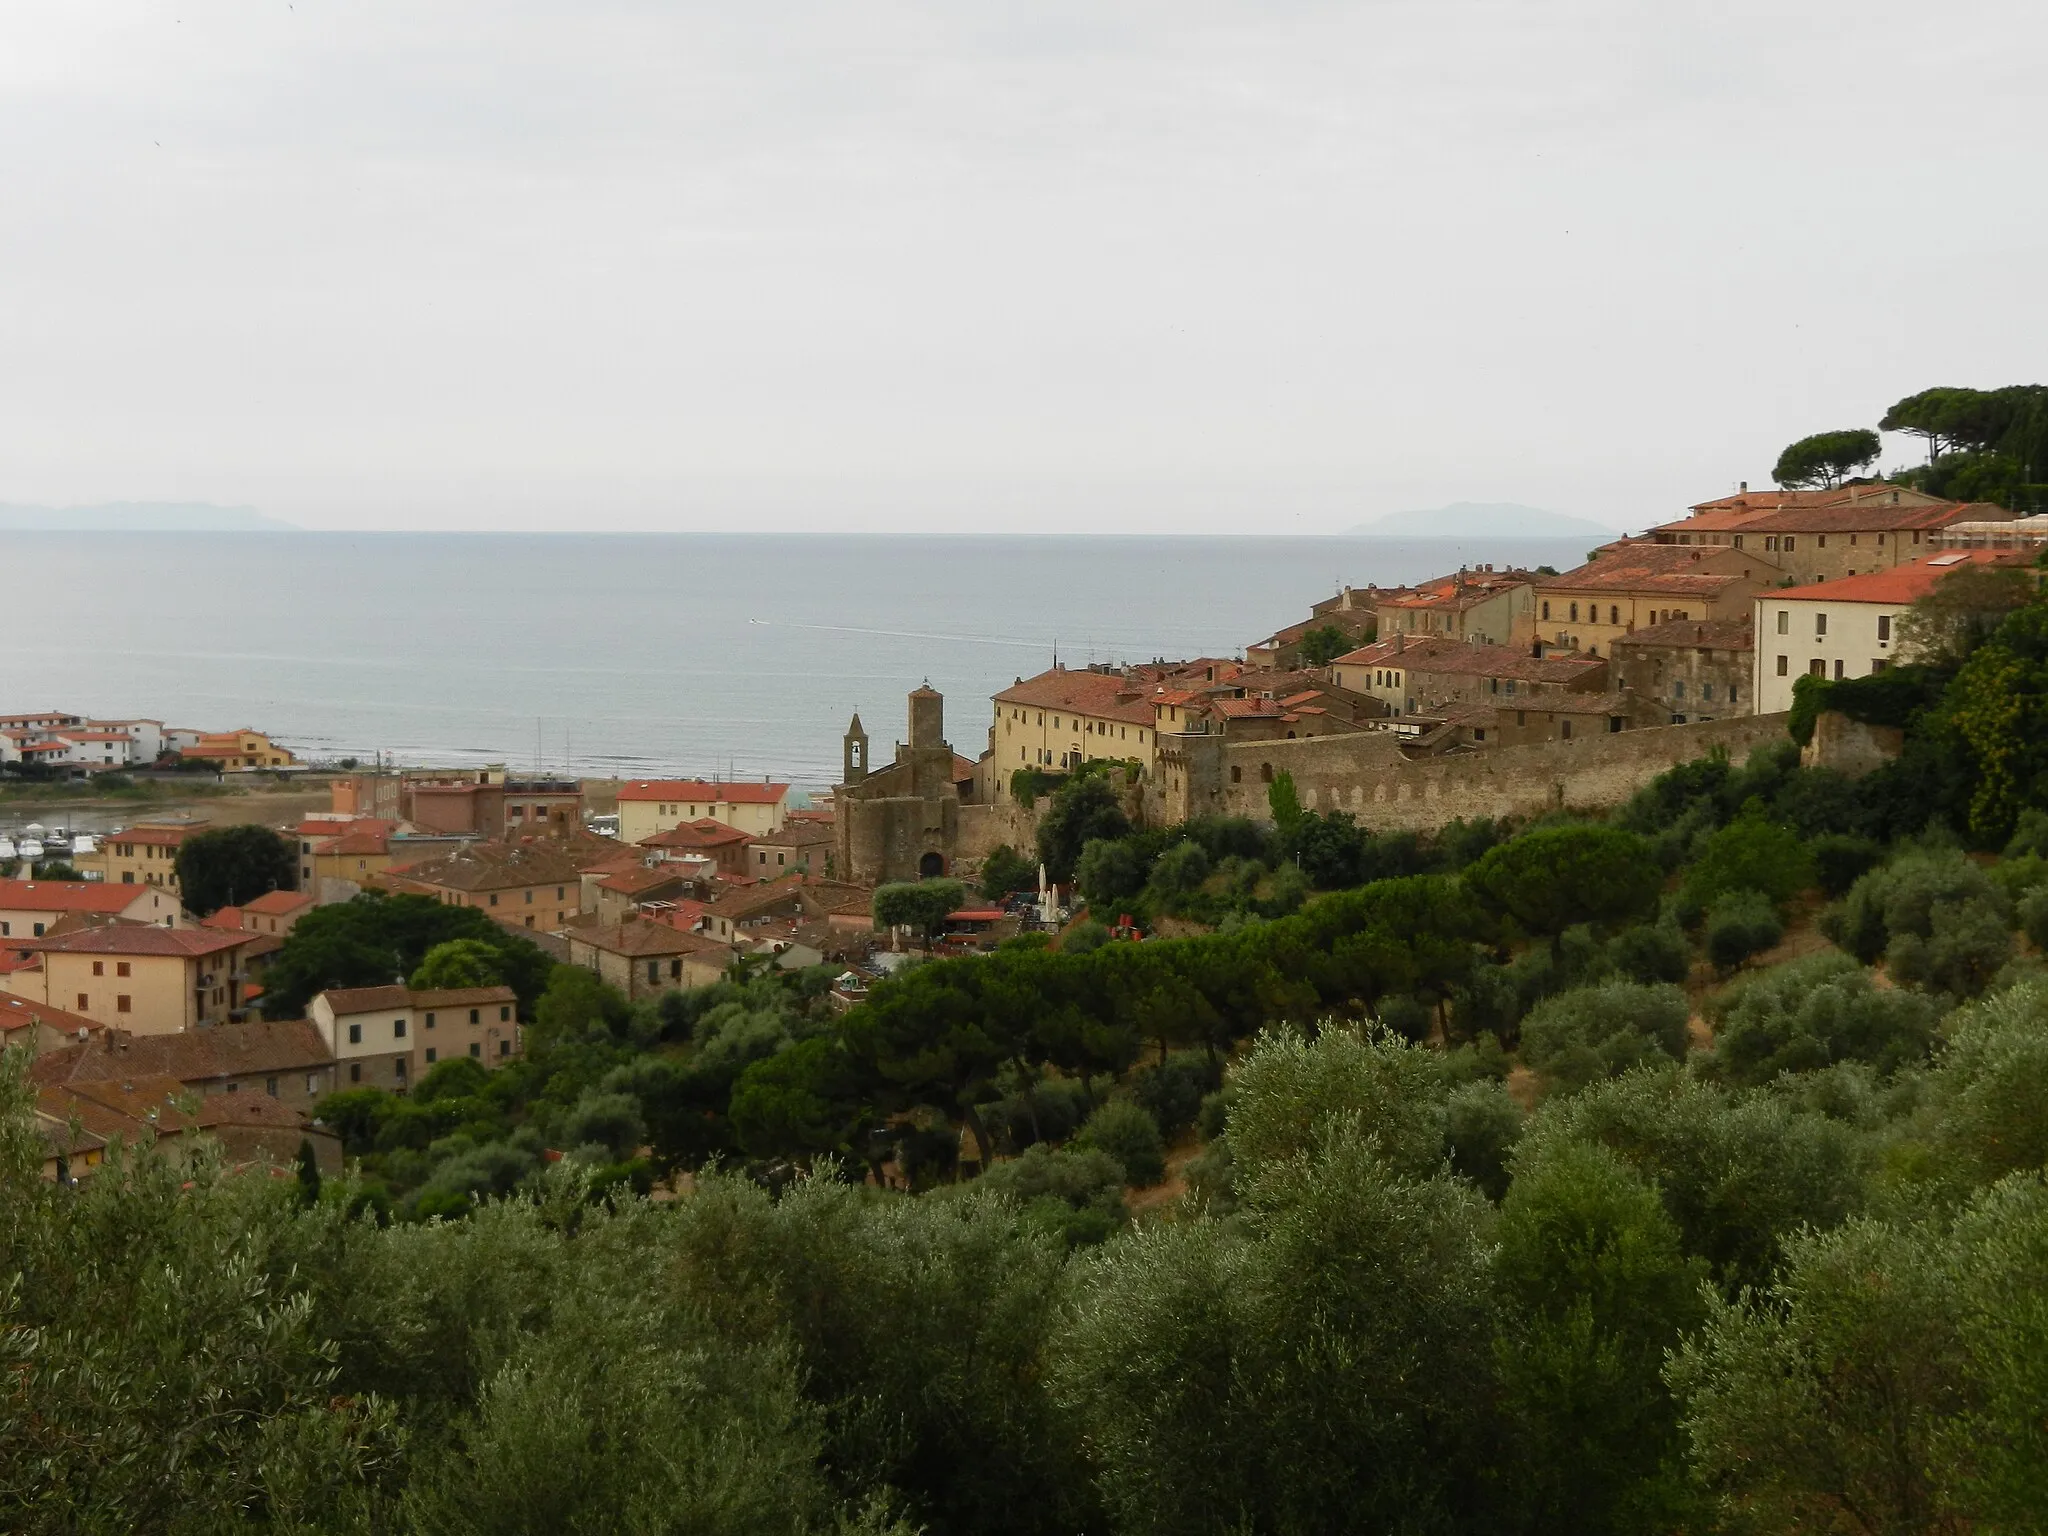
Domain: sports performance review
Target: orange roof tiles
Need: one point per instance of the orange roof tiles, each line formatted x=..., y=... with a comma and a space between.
x=68, y=896
x=1902, y=584
x=138, y=939
x=1090, y=695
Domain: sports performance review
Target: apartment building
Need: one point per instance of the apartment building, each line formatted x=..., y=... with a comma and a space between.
x=152, y=980
x=1633, y=584
x=389, y=1037
x=648, y=807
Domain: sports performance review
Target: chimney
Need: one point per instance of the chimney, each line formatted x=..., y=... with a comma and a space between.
x=1745, y=488
x=1400, y=642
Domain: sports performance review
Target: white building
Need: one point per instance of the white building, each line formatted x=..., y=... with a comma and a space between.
x=1848, y=627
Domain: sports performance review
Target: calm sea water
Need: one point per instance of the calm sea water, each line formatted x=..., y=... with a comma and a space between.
x=630, y=655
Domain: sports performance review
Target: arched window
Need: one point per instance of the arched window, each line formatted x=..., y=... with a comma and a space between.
x=1575, y=613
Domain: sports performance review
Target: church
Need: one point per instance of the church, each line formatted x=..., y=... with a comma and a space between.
x=902, y=821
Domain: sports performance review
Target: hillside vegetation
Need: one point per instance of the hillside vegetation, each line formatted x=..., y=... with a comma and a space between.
x=1790, y=1280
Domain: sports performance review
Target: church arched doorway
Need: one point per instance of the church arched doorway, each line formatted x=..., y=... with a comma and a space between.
x=931, y=866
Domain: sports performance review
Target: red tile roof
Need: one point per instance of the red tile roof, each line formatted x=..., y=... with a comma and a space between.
x=1711, y=634
x=1090, y=695
x=702, y=833
x=1902, y=584
x=733, y=793
x=278, y=903
x=20, y=1012
x=68, y=896
x=138, y=939
x=1677, y=569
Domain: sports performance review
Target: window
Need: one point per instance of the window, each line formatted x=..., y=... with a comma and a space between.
x=312, y=1082
x=430, y=1021
x=127, y=877
x=355, y=1071
x=398, y=1068
x=1575, y=613
x=1479, y=734
x=1820, y=541
x=1789, y=541
x=1613, y=613
x=475, y=1050
x=122, y=1004
x=1884, y=628
x=355, y=1034
x=494, y=898
x=529, y=898
x=270, y=1086
x=1706, y=693
x=1817, y=667
x=654, y=970
x=1678, y=690
x=1784, y=665
x=99, y=967
x=1738, y=541
x=398, y=1029
x=1820, y=625
x=1734, y=694
x=1521, y=717
x=1838, y=668
x=1878, y=664
x=1546, y=610
x=473, y=1015
x=505, y=1011
x=504, y=1047
x=120, y=967
x=432, y=1055
x=558, y=893
x=1566, y=731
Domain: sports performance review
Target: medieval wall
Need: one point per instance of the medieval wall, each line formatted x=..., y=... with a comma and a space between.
x=1851, y=746
x=1367, y=775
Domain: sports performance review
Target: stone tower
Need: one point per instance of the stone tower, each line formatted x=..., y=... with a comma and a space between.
x=927, y=718
x=856, y=763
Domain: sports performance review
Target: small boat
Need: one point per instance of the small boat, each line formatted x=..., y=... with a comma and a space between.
x=84, y=843
x=7, y=849
x=31, y=848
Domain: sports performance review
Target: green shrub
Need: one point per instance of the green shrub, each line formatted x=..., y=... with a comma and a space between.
x=1740, y=924
x=1650, y=953
x=1967, y=943
x=1172, y=1094
x=1751, y=854
x=2034, y=918
x=1815, y=1012
x=1075, y=1193
x=1840, y=859
x=1128, y=1133
x=1901, y=898
x=1481, y=1127
x=1405, y=1016
x=1589, y=1033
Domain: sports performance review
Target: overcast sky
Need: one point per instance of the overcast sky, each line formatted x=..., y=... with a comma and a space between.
x=1143, y=266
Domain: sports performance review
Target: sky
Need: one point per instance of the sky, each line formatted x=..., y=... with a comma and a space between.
x=968, y=267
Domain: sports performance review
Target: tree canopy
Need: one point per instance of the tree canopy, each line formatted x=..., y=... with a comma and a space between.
x=228, y=866
x=1826, y=457
x=376, y=939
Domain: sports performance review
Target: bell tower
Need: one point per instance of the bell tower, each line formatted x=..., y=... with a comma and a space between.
x=855, y=767
x=927, y=718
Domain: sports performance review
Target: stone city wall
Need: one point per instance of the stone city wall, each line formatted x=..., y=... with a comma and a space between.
x=1366, y=774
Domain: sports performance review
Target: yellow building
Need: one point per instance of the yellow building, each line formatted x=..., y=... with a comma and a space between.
x=1632, y=585
x=240, y=751
x=144, y=854
x=154, y=981
x=1061, y=719
x=649, y=807
x=338, y=856
x=390, y=1037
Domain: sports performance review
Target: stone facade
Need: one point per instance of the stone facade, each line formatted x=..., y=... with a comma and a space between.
x=1369, y=775
x=1692, y=669
x=902, y=821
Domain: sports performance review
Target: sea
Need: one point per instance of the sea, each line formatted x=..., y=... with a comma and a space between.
x=628, y=655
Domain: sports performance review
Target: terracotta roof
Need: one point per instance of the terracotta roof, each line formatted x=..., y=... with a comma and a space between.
x=357, y=843
x=138, y=939
x=226, y=919
x=192, y=1056
x=278, y=903
x=1712, y=634
x=21, y=1012
x=347, y=1000
x=702, y=833
x=493, y=867
x=1401, y=650
x=1633, y=566
x=219, y=1109
x=1457, y=591
x=367, y=999
x=1091, y=695
x=1901, y=584
x=1771, y=498
x=69, y=896
x=630, y=882
x=734, y=793
x=638, y=938
x=796, y=834
x=1869, y=517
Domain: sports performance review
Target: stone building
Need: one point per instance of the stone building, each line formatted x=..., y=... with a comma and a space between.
x=902, y=821
x=1694, y=669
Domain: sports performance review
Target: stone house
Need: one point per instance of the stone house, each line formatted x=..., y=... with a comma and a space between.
x=1633, y=584
x=1426, y=676
x=1844, y=530
x=388, y=1037
x=1696, y=669
x=1481, y=605
x=645, y=959
x=537, y=885
x=722, y=843
x=798, y=845
x=284, y=1059
x=649, y=806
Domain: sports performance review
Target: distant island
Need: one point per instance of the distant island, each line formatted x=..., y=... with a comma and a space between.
x=138, y=517
x=1482, y=519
